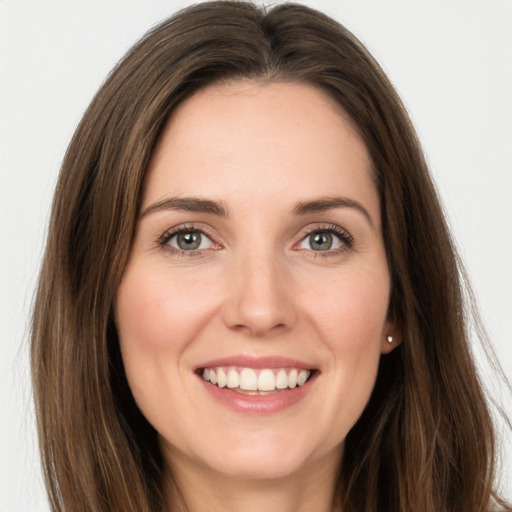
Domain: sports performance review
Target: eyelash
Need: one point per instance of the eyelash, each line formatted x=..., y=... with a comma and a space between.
x=346, y=239
x=163, y=241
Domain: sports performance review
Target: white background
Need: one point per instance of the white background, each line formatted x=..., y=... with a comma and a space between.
x=450, y=61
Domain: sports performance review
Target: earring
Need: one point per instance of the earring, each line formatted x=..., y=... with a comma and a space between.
x=390, y=339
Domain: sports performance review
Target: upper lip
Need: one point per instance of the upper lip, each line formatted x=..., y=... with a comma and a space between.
x=256, y=362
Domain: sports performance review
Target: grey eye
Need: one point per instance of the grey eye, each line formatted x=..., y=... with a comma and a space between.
x=322, y=241
x=190, y=241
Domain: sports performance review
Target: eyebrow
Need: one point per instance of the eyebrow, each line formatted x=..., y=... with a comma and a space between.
x=329, y=203
x=189, y=204
x=200, y=205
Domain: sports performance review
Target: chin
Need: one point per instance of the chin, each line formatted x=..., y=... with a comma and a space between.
x=258, y=465
x=261, y=455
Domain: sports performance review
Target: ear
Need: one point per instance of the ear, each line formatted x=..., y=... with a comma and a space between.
x=391, y=337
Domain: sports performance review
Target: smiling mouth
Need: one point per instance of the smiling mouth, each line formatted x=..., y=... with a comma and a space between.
x=251, y=381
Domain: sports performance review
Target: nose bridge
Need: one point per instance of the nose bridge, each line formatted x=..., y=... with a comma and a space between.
x=259, y=301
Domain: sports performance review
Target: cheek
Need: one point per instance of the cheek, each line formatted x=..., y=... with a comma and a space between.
x=156, y=323
x=352, y=310
x=153, y=315
x=150, y=325
x=351, y=319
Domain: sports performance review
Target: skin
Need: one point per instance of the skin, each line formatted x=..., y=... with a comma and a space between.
x=256, y=287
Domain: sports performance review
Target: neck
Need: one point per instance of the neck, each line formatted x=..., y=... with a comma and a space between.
x=193, y=489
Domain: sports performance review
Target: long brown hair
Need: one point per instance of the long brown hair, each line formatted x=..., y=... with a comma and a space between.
x=425, y=441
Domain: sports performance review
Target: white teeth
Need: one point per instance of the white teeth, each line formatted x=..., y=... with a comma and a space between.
x=248, y=380
x=233, y=379
x=302, y=377
x=265, y=380
x=221, y=378
x=281, y=380
x=292, y=378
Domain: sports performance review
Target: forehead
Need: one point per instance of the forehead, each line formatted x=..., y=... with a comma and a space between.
x=260, y=140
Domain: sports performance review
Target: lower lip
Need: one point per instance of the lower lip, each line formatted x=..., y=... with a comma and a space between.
x=258, y=404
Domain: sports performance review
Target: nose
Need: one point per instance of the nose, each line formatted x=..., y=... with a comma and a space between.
x=259, y=300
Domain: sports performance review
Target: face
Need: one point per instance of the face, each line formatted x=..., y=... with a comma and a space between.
x=253, y=310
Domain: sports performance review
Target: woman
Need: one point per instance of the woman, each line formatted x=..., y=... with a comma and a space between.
x=249, y=298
